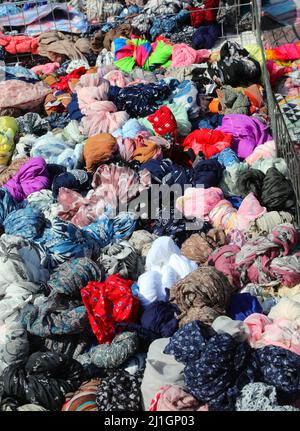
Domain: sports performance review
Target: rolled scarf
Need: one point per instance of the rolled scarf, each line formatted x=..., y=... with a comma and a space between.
x=223, y=216
x=185, y=94
x=162, y=369
x=107, y=229
x=70, y=277
x=226, y=157
x=26, y=222
x=236, y=222
x=44, y=201
x=264, y=224
x=287, y=268
x=251, y=180
x=181, y=117
x=260, y=397
x=141, y=240
x=214, y=385
x=223, y=259
x=54, y=148
x=101, y=115
x=242, y=305
x=286, y=308
x=32, y=123
x=149, y=150
x=121, y=258
x=174, y=398
x=76, y=179
x=44, y=380
x=280, y=368
x=120, y=392
x=20, y=96
x=164, y=265
x=281, y=332
x=126, y=147
x=198, y=247
x=54, y=315
x=247, y=132
x=63, y=241
x=14, y=345
x=231, y=174
x=208, y=141
x=207, y=173
x=129, y=130
x=21, y=274
x=166, y=172
x=7, y=205
x=114, y=294
x=160, y=318
x=202, y=295
x=277, y=192
x=76, y=209
x=264, y=151
x=112, y=185
x=131, y=52
x=84, y=399
x=113, y=355
x=91, y=89
x=164, y=122
x=32, y=177
x=139, y=100
x=124, y=182
x=184, y=55
x=206, y=35
x=198, y=202
x=71, y=345
x=275, y=162
x=61, y=312
x=106, y=119
x=116, y=77
x=8, y=130
x=249, y=210
x=98, y=149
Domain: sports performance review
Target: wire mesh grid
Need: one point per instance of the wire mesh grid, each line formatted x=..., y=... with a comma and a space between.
x=287, y=151
x=284, y=142
x=37, y=9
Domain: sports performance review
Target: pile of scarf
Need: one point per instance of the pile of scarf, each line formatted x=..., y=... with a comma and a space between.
x=149, y=241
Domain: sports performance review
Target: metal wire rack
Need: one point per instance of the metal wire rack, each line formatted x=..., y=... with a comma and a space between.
x=37, y=8
x=281, y=134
